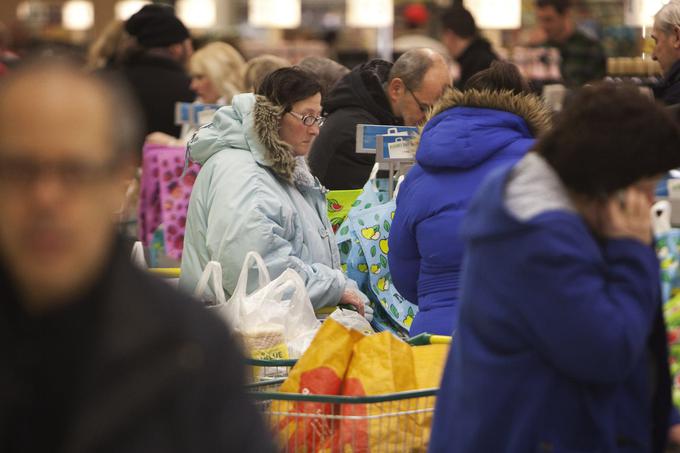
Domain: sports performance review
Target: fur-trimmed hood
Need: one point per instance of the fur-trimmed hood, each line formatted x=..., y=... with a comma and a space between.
x=466, y=128
x=251, y=123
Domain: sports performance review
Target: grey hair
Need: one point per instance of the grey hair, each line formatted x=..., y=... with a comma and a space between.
x=328, y=72
x=668, y=16
x=412, y=66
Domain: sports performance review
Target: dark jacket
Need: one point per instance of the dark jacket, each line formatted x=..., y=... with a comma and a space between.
x=358, y=98
x=158, y=83
x=133, y=366
x=477, y=57
x=559, y=346
x=469, y=135
x=669, y=90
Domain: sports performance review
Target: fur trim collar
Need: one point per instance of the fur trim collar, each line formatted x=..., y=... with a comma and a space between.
x=279, y=155
x=528, y=106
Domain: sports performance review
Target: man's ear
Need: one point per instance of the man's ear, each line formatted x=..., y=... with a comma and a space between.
x=395, y=88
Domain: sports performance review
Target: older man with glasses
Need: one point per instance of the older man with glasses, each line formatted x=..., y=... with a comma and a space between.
x=377, y=92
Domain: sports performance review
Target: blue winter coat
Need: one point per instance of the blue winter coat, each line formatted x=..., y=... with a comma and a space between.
x=473, y=133
x=551, y=351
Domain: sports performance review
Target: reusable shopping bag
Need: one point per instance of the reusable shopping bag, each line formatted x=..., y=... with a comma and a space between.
x=382, y=364
x=374, y=225
x=363, y=243
x=339, y=204
x=164, y=198
x=672, y=317
x=319, y=371
x=667, y=243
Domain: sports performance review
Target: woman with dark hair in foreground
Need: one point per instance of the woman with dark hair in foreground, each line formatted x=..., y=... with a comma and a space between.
x=560, y=345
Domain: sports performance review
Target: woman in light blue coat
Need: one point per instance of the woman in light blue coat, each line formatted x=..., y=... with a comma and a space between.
x=255, y=192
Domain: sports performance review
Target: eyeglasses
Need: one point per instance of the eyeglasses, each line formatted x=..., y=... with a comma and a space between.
x=23, y=173
x=421, y=105
x=309, y=120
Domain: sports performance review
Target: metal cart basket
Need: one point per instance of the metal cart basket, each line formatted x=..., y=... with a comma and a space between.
x=395, y=422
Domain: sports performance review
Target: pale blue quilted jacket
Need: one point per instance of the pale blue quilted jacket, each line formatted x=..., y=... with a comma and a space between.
x=252, y=194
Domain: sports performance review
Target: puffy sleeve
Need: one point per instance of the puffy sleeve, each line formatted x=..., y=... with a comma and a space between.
x=254, y=219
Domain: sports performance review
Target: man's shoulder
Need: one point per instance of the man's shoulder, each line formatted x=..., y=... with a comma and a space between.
x=161, y=310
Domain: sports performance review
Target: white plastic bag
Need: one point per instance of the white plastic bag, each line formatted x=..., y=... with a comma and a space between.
x=211, y=278
x=352, y=320
x=278, y=313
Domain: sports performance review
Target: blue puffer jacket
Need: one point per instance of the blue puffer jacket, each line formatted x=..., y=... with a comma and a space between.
x=469, y=135
x=560, y=333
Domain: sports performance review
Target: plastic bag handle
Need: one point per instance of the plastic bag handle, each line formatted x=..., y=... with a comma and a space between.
x=263, y=274
x=295, y=283
x=396, y=189
x=211, y=274
x=137, y=255
x=661, y=217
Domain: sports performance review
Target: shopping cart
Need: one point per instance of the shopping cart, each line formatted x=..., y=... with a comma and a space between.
x=395, y=422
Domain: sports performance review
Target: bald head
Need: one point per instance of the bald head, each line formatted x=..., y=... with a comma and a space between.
x=416, y=81
x=61, y=95
x=416, y=64
x=62, y=138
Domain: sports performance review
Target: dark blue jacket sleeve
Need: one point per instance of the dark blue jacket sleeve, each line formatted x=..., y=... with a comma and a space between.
x=590, y=319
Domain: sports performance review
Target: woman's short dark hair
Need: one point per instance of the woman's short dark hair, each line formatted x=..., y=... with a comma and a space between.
x=609, y=137
x=500, y=76
x=286, y=86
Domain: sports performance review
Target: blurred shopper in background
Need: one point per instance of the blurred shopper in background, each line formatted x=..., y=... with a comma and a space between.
x=107, y=51
x=216, y=77
x=583, y=58
x=155, y=65
x=467, y=47
x=490, y=125
x=216, y=73
x=561, y=344
x=8, y=59
x=95, y=355
x=255, y=192
x=377, y=92
x=260, y=67
x=327, y=71
x=666, y=36
x=417, y=17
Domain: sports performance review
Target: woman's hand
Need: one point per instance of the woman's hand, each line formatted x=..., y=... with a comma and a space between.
x=351, y=298
x=626, y=215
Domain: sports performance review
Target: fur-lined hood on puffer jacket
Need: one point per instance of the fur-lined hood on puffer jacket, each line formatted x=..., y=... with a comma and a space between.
x=465, y=128
x=252, y=194
x=251, y=123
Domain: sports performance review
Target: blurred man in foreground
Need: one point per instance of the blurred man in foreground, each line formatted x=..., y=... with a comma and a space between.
x=94, y=354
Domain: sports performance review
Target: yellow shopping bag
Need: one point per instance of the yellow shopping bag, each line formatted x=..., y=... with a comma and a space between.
x=384, y=365
x=319, y=371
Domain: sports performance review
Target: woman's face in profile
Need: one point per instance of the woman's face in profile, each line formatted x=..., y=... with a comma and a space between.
x=292, y=129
